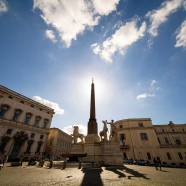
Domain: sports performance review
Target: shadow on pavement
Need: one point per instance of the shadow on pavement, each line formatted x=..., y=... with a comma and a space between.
x=120, y=170
x=92, y=176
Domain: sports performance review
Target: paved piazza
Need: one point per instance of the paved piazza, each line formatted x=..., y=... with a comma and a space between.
x=127, y=175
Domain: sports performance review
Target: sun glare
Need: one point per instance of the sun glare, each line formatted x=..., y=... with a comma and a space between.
x=99, y=87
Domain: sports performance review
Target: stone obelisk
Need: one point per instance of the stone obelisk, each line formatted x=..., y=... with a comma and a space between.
x=92, y=124
x=92, y=133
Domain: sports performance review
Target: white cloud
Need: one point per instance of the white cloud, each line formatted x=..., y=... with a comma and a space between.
x=123, y=37
x=145, y=95
x=160, y=16
x=50, y=35
x=181, y=35
x=50, y=104
x=104, y=7
x=151, y=90
x=69, y=129
x=3, y=6
x=153, y=82
x=71, y=18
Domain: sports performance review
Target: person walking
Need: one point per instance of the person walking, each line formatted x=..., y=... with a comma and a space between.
x=155, y=163
x=159, y=162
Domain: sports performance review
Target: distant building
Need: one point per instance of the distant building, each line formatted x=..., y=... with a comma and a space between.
x=58, y=143
x=172, y=143
x=139, y=139
x=24, y=125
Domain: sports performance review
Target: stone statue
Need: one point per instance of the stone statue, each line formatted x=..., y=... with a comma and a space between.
x=103, y=133
x=113, y=132
x=77, y=135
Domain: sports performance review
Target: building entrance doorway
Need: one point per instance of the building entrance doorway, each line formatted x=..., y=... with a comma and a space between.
x=15, y=151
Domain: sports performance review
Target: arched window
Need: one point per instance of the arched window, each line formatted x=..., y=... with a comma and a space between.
x=3, y=109
x=16, y=115
x=27, y=118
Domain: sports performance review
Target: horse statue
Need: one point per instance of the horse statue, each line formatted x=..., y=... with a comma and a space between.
x=113, y=132
x=103, y=133
x=77, y=135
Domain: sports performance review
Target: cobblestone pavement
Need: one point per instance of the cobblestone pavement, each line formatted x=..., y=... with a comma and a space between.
x=129, y=175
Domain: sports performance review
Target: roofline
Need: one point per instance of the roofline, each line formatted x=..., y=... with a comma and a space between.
x=54, y=128
x=24, y=97
x=166, y=125
x=134, y=119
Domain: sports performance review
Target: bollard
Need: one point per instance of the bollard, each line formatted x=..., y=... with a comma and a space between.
x=64, y=164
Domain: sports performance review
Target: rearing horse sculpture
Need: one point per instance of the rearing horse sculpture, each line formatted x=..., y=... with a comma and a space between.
x=103, y=133
x=77, y=135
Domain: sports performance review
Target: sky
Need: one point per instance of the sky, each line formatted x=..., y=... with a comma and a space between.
x=134, y=50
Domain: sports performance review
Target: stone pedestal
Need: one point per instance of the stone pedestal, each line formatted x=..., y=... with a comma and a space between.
x=111, y=153
x=92, y=138
x=93, y=151
x=77, y=148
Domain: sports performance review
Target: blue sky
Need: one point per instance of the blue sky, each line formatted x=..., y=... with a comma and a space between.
x=134, y=50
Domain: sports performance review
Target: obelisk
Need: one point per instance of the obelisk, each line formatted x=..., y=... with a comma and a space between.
x=92, y=124
x=92, y=131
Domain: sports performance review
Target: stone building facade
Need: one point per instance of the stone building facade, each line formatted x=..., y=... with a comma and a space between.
x=24, y=125
x=140, y=139
x=58, y=143
x=172, y=143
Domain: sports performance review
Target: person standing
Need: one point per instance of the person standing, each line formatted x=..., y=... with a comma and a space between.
x=5, y=159
x=1, y=162
x=159, y=162
x=155, y=163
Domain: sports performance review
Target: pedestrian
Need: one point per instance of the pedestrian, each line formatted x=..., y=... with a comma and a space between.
x=1, y=162
x=21, y=159
x=155, y=163
x=159, y=162
x=5, y=159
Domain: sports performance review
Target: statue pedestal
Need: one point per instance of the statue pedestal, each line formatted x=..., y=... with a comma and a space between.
x=111, y=153
x=93, y=151
x=77, y=148
x=92, y=138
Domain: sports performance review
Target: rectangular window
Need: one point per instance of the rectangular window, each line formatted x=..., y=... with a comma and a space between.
x=41, y=137
x=9, y=131
x=140, y=124
x=120, y=126
x=166, y=140
x=122, y=137
x=148, y=156
x=159, y=140
x=15, y=117
x=32, y=135
x=143, y=136
x=2, y=112
x=180, y=155
x=51, y=141
x=27, y=119
x=125, y=155
x=168, y=156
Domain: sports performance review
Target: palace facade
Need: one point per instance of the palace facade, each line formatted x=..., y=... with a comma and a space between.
x=141, y=140
x=58, y=143
x=24, y=125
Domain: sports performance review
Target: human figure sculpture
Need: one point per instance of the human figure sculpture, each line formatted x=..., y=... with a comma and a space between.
x=103, y=133
x=77, y=135
x=113, y=133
